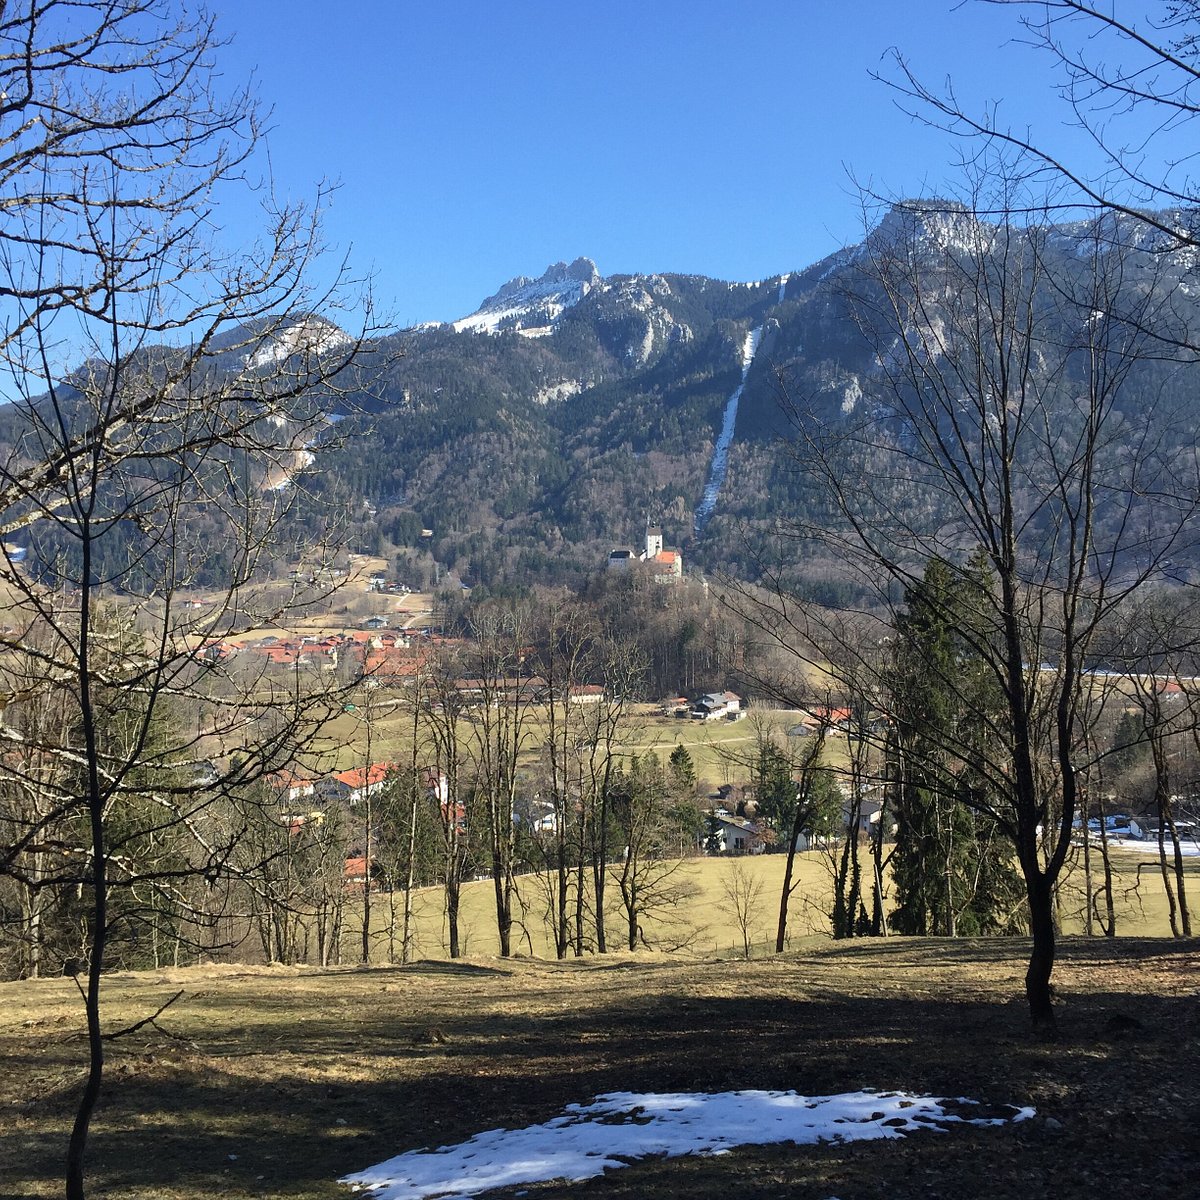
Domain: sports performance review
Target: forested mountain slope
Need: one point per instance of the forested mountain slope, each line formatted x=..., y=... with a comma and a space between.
x=569, y=411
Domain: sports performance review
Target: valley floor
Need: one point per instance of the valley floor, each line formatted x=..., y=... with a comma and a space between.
x=277, y=1081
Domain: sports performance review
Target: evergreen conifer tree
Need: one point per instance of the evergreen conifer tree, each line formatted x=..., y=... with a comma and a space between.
x=952, y=873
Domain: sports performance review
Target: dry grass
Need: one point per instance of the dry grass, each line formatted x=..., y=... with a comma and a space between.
x=704, y=921
x=273, y=1082
x=721, y=751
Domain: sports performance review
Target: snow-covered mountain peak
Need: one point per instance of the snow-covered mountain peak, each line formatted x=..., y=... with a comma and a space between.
x=922, y=225
x=533, y=304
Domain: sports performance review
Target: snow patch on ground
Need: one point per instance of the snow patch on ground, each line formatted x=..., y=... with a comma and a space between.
x=1189, y=847
x=589, y=1139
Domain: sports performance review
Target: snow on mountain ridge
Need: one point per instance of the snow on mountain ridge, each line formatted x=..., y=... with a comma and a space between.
x=524, y=302
x=945, y=226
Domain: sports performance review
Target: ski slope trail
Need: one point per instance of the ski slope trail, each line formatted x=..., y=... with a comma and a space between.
x=720, y=458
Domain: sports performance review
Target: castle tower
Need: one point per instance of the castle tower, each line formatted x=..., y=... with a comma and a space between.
x=654, y=543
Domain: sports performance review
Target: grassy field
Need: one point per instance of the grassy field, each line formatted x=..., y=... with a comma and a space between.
x=274, y=1082
x=721, y=751
x=703, y=921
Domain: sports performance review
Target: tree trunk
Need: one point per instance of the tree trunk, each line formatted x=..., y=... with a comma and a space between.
x=785, y=894
x=503, y=910
x=406, y=941
x=600, y=871
x=452, y=891
x=1087, y=872
x=1041, y=959
x=1180, y=885
x=1110, y=908
x=99, y=910
x=562, y=931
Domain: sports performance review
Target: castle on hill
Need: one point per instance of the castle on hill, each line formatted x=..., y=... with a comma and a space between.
x=664, y=566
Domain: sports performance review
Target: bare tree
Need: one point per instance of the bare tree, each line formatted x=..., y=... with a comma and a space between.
x=499, y=735
x=443, y=727
x=651, y=879
x=1129, y=81
x=805, y=817
x=150, y=478
x=567, y=665
x=1160, y=638
x=742, y=892
x=995, y=427
x=607, y=722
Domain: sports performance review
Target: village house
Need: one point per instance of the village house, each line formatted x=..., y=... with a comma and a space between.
x=292, y=787
x=1117, y=825
x=736, y=835
x=513, y=689
x=349, y=787
x=823, y=715
x=359, y=870
x=214, y=650
x=717, y=706
x=870, y=811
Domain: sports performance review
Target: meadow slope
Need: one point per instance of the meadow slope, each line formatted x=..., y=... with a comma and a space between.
x=268, y=1082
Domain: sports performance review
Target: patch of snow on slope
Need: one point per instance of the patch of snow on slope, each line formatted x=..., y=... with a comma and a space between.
x=550, y=303
x=783, y=282
x=918, y=226
x=841, y=258
x=589, y=1139
x=851, y=395
x=558, y=391
x=720, y=458
x=750, y=348
x=639, y=353
x=313, y=335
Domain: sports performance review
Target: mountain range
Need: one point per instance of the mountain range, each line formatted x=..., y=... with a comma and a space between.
x=572, y=409
x=522, y=442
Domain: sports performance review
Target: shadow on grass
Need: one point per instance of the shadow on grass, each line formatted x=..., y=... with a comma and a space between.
x=958, y=951
x=261, y=1109
x=443, y=966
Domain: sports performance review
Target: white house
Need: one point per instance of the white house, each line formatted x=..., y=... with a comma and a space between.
x=735, y=835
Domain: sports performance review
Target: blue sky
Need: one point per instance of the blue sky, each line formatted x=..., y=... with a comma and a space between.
x=475, y=141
